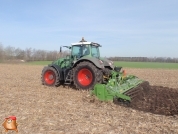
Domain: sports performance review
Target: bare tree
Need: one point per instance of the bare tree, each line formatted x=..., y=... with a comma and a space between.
x=9, y=53
x=28, y=54
x=1, y=52
x=19, y=54
x=40, y=55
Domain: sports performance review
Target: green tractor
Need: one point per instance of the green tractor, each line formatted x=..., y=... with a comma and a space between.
x=85, y=69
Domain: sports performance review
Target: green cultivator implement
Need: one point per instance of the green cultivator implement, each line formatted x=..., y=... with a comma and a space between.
x=119, y=86
x=85, y=69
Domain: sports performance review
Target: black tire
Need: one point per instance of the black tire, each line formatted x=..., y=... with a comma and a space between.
x=86, y=75
x=50, y=77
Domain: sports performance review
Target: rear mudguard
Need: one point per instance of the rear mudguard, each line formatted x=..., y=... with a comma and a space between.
x=97, y=62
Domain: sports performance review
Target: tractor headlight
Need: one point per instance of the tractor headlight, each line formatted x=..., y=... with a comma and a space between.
x=111, y=63
x=100, y=61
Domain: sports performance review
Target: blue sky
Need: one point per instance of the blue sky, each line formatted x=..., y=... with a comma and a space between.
x=123, y=28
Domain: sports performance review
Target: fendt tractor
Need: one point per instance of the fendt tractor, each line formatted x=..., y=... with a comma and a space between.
x=85, y=69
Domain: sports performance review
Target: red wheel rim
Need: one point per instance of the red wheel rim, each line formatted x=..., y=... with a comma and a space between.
x=85, y=77
x=49, y=77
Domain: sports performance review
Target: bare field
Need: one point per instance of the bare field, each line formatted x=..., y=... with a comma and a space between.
x=48, y=110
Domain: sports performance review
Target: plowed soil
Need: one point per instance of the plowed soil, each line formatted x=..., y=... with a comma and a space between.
x=49, y=110
x=157, y=100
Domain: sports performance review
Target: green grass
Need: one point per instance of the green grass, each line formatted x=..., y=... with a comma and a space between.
x=125, y=64
x=147, y=65
x=39, y=62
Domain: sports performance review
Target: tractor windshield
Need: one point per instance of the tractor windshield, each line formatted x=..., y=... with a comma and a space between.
x=95, y=51
x=77, y=50
x=80, y=50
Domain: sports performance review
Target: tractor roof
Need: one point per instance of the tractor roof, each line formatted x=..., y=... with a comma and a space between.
x=87, y=43
x=84, y=42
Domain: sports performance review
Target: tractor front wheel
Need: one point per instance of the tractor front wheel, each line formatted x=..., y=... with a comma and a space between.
x=86, y=75
x=50, y=77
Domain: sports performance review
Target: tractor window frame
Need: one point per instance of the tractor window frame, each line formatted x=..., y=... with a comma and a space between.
x=95, y=51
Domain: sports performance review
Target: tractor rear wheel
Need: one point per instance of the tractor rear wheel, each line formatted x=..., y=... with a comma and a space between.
x=86, y=75
x=50, y=77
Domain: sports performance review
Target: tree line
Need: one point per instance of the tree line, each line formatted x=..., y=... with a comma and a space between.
x=29, y=54
x=145, y=59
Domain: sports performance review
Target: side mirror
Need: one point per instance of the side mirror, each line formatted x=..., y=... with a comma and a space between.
x=60, y=49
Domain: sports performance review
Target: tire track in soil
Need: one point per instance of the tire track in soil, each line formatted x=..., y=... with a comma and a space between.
x=157, y=100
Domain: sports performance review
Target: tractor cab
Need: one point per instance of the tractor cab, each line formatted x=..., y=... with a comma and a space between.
x=88, y=49
x=83, y=48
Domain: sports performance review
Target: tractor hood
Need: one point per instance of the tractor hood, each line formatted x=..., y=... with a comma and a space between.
x=61, y=62
x=107, y=62
x=58, y=61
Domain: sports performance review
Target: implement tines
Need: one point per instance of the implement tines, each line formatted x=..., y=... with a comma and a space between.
x=134, y=92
